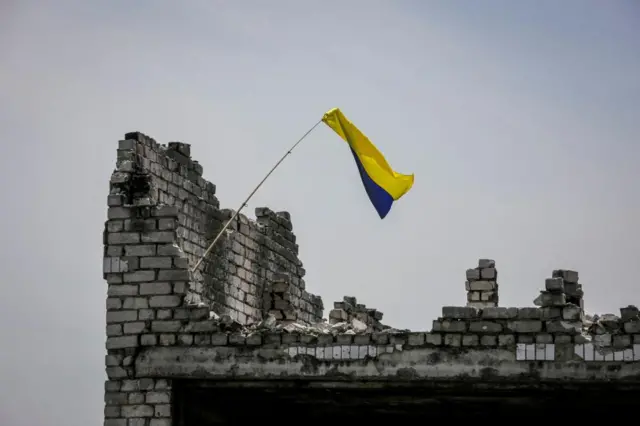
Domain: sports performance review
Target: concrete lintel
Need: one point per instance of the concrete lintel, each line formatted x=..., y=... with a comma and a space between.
x=401, y=366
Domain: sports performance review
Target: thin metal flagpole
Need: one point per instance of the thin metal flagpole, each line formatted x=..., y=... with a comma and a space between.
x=244, y=203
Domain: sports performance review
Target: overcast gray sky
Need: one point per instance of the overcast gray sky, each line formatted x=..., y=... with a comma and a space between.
x=519, y=119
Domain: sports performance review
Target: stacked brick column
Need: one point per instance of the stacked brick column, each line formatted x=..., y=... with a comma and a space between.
x=147, y=276
x=350, y=309
x=562, y=298
x=482, y=285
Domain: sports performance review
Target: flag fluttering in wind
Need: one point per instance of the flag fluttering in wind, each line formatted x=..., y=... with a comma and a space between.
x=382, y=183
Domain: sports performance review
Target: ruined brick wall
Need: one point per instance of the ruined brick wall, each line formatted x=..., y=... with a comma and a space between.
x=162, y=216
x=239, y=270
x=247, y=312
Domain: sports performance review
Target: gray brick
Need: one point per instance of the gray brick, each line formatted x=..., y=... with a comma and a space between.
x=529, y=313
x=486, y=263
x=135, y=303
x=123, y=238
x=140, y=225
x=219, y=339
x=554, y=284
x=165, y=326
x=139, y=276
x=115, y=373
x=526, y=338
x=115, y=422
x=550, y=312
x=115, y=226
x=629, y=313
x=481, y=286
x=160, y=422
x=202, y=327
x=148, y=340
x=174, y=275
x=632, y=327
x=146, y=314
x=165, y=301
x=455, y=326
x=113, y=251
x=459, y=312
x=115, y=200
x=167, y=339
x=111, y=411
x=159, y=237
x=181, y=262
x=127, y=144
x=525, y=326
x=506, y=340
x=571, y=313
x=112, y=397
x=121, y=316
x=163, y=410
x=114, y=303
x=499, y=313
x=122, y=342
x=488, y=273
x=115, y=265
x=120, y=213
x=122, y=290
x=205, y=340
x=453, y=340
x=165, y=211
x=155, y=263
x=141, y=250
x=166, y=224
x=550, y=299
x=164, y=314
x=169, y=250
x=544, y=338
x=185, y=339
x=158, y=398
x=114, y=330
x=602, y=339
x=415, y=339
x=488, y=340
x=470, y=340
x=252, y=340
x=566, y=274
x=487, y=327
x=134, y=327
x=112, y=386
x=137, y=385
x=621, y=341
x=155, y=288
x=132, y=411
x=433, y=339
x=180, y=287
x=114, y=278
x=136, y=398
x=473, y=274
x=564, y=327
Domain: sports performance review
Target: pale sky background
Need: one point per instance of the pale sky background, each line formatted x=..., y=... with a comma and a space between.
x=520, y=120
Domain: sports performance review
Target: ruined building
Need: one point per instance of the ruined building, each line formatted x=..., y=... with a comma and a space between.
x=243, y=338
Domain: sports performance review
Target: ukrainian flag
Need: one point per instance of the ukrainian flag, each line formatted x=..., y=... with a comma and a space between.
x=383, y=185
